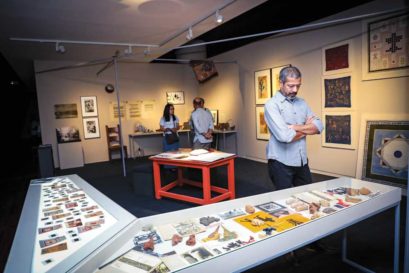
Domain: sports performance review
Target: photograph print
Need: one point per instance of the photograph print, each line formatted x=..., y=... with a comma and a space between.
x=68, y=134
x=89, y=106
x=177, y=97
x=338, y=130
x=262, y=85
x=215, y=116
x=68, y=110
x=91, y=128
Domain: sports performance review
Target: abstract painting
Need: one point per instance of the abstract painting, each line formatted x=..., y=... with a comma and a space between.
x=336, y=58
x=262, y=132
x=386, y=150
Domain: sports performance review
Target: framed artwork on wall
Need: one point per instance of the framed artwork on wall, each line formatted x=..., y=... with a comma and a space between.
x=262, y=132
x=337, y=92
x=275, y=77
x=68, y=110
x=91, y=128
x=177, y=97
x=339, y=130
x=68, y=134
x=262, y=85
x=215, y=115
x=336, y=58
x=383, y=149
x=385, y=47
x=89, y=106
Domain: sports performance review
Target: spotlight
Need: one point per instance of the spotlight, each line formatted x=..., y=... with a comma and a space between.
x=219, y=17
x=189, y=35
x=59, y=48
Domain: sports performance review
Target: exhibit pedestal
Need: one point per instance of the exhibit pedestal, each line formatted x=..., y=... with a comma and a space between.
x=70, y=155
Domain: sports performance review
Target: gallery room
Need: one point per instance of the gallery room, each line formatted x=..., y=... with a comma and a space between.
x=194, y=136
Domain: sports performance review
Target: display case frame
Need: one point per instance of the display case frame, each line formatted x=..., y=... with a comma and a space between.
x=87, y=258
x=272, y=247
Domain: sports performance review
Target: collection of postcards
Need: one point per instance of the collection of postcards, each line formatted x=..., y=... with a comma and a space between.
x=68, y=219
x=174, y=246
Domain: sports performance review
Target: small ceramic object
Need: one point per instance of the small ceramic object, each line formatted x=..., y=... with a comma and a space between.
x=250, y=209
x=191, y=241
x=176, y=239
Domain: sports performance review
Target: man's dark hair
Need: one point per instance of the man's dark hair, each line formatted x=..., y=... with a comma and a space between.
x=289, y=72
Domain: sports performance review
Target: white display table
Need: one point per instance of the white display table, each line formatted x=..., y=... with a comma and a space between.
x=102, y=250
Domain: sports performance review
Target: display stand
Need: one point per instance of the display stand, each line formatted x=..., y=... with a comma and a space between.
x=70, y=155
x=86, y=258
x=120, y=238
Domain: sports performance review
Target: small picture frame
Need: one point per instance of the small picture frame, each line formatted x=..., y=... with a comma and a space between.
x=275, y=79
x=262, y=85
x=336, y=58
x=89, y=106
x=262, y=132
x=177, y=97
x=215, y=116
x=91, y=128
x=339, y=130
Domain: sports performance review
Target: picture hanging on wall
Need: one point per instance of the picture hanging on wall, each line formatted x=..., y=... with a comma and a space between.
x=177, y=97
x=91, y=128
x=338, y=131
x=384, y=149
x=336, y=58
x=262, y=132
x=67, y=134
x=337, y=92
x=215, y=116
x=89, y=106
x=385, y=47
x=68, y=110
x=262, y=85
x=275, y=76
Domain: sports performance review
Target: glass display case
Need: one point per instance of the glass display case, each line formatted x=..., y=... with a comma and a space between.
x=229, y=236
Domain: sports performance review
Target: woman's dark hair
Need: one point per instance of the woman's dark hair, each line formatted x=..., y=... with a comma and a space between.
x=166, y=112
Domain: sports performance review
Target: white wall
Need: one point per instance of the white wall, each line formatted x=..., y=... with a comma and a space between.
x=304, y=50
x=136, y=81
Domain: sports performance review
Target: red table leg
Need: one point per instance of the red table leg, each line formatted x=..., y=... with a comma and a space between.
x=206, y=185
x=230, y=178
x=156, y=179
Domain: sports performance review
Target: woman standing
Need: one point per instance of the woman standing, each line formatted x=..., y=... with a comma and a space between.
x=169, y=124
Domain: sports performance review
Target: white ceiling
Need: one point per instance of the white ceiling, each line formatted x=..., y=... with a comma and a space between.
x=162, y=23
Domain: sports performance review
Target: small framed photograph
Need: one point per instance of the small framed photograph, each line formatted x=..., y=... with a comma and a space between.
x=336, y=58
x=215, y=116
x=68, y=134
x=91, y=128
x=62, y=111
x=270, y=207
x=89, y=106
x=339, y=130
x=177, y=97
x=262, y=132
x=262, y=85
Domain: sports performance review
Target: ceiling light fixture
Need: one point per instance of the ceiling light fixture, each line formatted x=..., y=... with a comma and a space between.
x=219, y=17
x=59, y=48
x=189, y=35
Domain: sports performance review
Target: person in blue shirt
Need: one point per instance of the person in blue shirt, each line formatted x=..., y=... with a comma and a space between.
x=202, y=123
x=290, y=120
x=169, y=123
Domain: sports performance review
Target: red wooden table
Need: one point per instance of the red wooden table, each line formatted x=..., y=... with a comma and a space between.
x=164, y=191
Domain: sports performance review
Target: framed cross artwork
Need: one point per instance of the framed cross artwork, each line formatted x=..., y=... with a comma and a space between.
x=262, y=85
x=385, y=47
